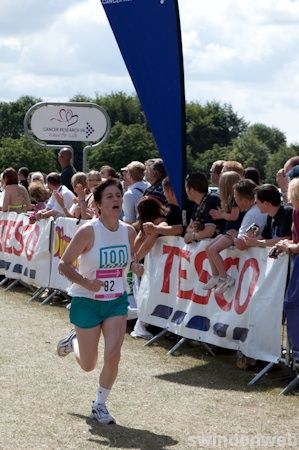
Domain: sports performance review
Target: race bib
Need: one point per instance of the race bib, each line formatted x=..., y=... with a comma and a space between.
x=113, y=284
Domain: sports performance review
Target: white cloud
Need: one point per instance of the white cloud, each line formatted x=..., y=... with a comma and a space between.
x=240, y=52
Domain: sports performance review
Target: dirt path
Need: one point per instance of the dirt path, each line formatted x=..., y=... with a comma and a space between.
x=160, y=402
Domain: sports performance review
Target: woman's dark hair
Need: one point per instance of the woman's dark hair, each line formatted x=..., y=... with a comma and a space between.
x=98, y=192
x=23, y=171
x=251, y=173
x=10, y=176
x=111, y=171
x=150, y=209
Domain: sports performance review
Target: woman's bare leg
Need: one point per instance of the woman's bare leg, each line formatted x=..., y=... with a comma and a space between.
x=214, y=254
x=86, y=349
x=113, y=329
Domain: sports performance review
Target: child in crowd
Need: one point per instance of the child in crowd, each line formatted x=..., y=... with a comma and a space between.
x=230, y=212
x=39, y=194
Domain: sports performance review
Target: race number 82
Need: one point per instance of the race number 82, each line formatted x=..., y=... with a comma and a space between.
x=109, y=286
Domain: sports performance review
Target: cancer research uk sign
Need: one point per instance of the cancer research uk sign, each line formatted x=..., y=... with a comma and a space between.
x=84, y=122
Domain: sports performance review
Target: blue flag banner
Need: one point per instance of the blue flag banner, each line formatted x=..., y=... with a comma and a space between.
x=149, y=37
x=291, y=306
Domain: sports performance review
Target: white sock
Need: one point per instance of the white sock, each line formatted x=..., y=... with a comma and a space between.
x=102, y=395
x=75, y=346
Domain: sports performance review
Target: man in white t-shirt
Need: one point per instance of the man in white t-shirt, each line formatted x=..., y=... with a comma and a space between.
x=53, y=209
x=134, y=175
x=245, y=199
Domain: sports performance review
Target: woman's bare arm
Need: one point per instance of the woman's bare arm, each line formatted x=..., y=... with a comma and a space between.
x=82, y=241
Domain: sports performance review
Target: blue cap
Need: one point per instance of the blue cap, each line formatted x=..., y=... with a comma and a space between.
x=293, y=173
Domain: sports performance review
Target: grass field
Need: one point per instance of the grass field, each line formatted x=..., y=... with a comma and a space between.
x=160, y=402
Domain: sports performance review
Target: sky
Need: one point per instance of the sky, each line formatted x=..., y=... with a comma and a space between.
x=245, y=53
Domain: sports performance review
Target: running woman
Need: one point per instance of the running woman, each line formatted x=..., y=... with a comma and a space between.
x=102, y=250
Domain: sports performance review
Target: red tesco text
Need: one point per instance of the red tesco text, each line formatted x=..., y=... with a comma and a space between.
x=18, y=239
x=250, y=267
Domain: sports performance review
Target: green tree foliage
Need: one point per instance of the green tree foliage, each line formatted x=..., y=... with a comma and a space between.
x=276, y=161
x=21, y=152
x=256, y=146
x=12, y=116
x=211, y=124
x=81, y=98
x=204, y=161
x=121, y=108
x=272, y=137
x=125, y=143
x=249, y=151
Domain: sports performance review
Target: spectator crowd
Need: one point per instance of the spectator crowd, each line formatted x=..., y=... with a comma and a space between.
x=229, y=206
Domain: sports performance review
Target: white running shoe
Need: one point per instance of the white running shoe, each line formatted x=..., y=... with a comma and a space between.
x=140, y=331
x=100, y=413
x=224, y=285
x=147, y=337
x=212, y=282
x=64, y=346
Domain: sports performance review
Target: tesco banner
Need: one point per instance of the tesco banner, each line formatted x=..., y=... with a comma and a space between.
x=247, y=317
x=24, y=249
x=171, y=295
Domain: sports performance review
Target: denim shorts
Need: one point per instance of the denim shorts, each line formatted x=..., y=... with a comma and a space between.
x=88, y=313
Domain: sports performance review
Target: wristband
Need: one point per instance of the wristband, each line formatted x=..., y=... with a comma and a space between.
x=193, y=237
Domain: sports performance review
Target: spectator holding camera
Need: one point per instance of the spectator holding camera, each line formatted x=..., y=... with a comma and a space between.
x=279, y=217
x=254, y=220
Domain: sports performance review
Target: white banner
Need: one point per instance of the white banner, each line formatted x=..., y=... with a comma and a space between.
x=247, y=317
x=25, y=249
x=63, y=231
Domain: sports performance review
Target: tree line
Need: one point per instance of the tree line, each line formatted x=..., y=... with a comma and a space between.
x=213, y=131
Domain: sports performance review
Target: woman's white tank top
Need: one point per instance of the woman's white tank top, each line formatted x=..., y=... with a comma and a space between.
x=108, y=259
